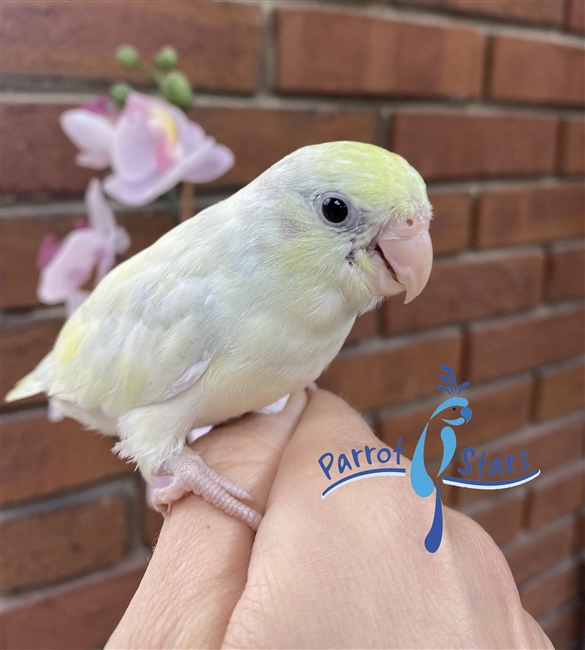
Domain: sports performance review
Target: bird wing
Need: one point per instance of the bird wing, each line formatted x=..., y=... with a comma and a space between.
x=141, y=337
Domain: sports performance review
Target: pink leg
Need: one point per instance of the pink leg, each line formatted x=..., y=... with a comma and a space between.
x=191, y=474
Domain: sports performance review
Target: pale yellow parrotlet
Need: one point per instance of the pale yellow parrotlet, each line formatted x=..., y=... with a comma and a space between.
x=237, y=307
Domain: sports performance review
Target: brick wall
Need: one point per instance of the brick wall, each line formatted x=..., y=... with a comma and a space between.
x=484, y=97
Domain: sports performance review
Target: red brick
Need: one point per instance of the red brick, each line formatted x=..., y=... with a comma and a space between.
x=449, y=145
x=533, y=553
x=36, y=154
x=522, y=342
x=565, y=625
x=537, y=71
x=572, y=159
x=394, y=373
x=342, y=53
x=501, y=520
x=560, y=390
x=554, y=497
x=580, y=531
x=468, y=288
x=21, y=237
x=364, y=328
x=41, y=158
x=53, y=545
x=218, y=43
x=22, y=346
x=549, y=445
x=575, y=17
x=259, y=138
x=566, y=272
x=539, y=11
x=78, y=616
x=521, y=215
x=40, y=458
x=451, y=221
x=543, y=594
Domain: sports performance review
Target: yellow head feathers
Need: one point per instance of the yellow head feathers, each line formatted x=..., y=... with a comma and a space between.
x=374, y=177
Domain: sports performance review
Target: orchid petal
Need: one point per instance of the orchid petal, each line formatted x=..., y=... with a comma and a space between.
x=138, y=193
x=134, y=146
x=214, y=164
x=90, y=132
x=101, y=217
x=47, y=251
x=122, y=240
x=191, y=134
x=93, y=160
x=101, y=106
x=54, y=412
x=106, y=261
x=71, y=267
x=75, y=300
x=151, y=188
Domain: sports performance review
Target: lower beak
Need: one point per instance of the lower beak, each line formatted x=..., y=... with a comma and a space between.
x=402, y=265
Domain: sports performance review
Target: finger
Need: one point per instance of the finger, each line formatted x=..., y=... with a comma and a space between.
x=198, y=570
x=356, y=571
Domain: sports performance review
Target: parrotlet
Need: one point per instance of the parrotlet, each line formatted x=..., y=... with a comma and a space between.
x=233, y=309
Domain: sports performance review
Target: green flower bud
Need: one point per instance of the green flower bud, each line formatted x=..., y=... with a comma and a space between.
x=120, y=91
x=167, y=58
x=175, y=88
x=128, y=56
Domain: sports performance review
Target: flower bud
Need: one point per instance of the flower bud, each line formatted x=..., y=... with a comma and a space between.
x=128, y=56
x=167, y=58
x=120, y=91
x=175, y=88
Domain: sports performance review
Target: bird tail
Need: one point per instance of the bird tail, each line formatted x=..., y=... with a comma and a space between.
x=33, y=383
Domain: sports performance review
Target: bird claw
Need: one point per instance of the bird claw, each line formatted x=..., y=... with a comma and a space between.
x=191, y=475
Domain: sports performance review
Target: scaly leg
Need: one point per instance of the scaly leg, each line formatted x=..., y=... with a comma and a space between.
x=191, y=474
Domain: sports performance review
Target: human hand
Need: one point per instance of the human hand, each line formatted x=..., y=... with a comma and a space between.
x=347, y=571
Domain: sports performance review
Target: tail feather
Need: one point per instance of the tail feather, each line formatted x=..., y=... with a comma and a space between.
x=33, y=383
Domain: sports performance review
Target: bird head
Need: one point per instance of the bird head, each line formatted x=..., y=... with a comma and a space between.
x=356, y=213
x=456, y=407
x=455, y=410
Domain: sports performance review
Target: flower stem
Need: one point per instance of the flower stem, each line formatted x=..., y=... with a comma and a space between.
x=187, y=195
x=174, y=205
x=150, y=72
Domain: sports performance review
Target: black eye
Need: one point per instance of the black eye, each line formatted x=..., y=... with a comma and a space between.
x=454, y=409
x=334, y=210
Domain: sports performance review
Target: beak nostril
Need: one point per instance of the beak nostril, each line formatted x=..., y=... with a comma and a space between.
x=410, y=222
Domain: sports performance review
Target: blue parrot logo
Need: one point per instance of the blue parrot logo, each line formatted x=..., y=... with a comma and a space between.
x=421, y=482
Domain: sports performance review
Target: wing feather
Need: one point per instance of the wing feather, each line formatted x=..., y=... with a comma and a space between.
x=141, y=337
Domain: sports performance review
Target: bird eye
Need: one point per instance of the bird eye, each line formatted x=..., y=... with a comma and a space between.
x=334, y=210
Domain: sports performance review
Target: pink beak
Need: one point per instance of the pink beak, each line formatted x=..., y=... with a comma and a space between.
x=402, y=264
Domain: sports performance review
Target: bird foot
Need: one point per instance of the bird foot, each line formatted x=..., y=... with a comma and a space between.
x=190, y=474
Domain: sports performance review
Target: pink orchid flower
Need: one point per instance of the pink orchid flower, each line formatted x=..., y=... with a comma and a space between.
x=91, y=128
x=156, y=147
x=151, y=148
x=85, y=252
x=49, y=246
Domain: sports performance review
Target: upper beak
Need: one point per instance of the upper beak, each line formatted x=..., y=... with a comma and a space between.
x=467, y=413
x=410, y=261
